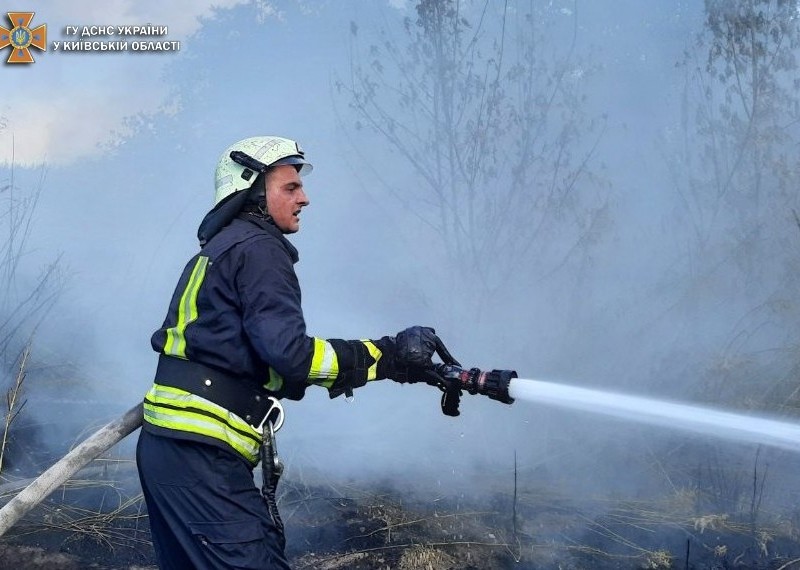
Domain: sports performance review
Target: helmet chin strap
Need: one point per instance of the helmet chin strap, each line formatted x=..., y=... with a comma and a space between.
x=257, y=200
x=262, y=213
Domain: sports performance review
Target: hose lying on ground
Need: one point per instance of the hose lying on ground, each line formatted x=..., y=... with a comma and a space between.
x=100, y=441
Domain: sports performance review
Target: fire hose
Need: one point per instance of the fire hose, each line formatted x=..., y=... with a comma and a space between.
x=451, y=379
x=102, y=440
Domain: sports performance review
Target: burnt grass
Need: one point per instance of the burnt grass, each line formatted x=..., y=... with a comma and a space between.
x=100, y=522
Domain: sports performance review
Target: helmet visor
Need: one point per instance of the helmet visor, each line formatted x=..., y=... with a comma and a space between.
x=304, y=166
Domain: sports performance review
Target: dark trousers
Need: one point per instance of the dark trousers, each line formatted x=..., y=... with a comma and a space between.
x=205, y=510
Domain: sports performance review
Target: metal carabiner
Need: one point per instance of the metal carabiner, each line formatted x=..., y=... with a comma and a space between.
x=273, y=426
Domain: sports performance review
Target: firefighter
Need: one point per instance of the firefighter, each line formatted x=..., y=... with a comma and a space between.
x=233, y=344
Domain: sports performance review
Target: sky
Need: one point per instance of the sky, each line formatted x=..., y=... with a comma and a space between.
x=123, y=147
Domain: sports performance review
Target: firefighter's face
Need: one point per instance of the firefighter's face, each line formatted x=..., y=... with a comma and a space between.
x=285, y=198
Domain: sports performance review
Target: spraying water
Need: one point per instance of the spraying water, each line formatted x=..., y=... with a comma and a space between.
x=674, y=415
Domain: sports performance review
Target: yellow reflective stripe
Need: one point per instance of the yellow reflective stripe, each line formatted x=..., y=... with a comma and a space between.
x=189, y=420
x=160, y=394
x=324, y=362
x=375, y=352
x=201, y=425
x=187, y=310
x=275, y=382
x=222, y=425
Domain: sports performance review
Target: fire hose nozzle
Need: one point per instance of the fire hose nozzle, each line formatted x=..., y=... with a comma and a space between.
x=454, y=379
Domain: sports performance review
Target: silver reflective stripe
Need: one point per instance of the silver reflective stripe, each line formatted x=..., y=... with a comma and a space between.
x=262, y=151
x=324, y=362
x=178, y=410
x=196, y=423
x=183, y=399
x=329, y=367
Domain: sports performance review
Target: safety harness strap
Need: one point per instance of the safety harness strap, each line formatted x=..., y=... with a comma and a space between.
x=178, y=413
x=272, y=469
x=242, y=396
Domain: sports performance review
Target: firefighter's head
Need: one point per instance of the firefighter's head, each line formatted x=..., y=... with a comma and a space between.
x=263, y=174
x=284, y=197
x=243, y=161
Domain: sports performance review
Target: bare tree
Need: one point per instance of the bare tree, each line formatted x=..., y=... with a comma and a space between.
x=24, y=301
x=486, y=114
x=733, y=159
x=734, y=164
x=744, y=120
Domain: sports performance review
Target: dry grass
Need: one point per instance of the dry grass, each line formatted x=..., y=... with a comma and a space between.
x=116, y=521
x=124, y=525
x=426, y=558
x=332, y=527
x=14, y=402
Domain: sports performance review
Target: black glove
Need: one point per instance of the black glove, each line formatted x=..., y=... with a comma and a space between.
x=414, y=348
x=404, y=358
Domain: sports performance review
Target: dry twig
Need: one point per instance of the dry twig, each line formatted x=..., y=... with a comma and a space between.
x=13, y=407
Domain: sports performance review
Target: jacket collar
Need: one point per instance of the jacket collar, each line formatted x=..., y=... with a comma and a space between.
x=273, y=230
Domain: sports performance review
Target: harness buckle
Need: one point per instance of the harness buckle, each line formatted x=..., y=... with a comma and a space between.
x=275, y=409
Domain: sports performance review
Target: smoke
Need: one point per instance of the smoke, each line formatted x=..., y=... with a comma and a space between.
x=75, y=106
x=629, y=303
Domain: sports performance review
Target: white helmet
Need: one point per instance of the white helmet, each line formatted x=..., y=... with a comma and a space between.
x=242, y=161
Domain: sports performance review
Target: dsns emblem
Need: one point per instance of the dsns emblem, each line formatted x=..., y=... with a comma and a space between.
x=21, y=37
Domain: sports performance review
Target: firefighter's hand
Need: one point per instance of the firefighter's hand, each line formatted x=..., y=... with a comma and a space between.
x=413, y=354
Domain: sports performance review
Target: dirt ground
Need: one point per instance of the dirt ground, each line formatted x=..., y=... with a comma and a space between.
x=95, y=526
x=100, y=522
